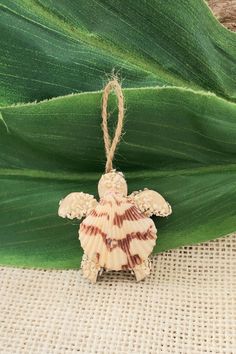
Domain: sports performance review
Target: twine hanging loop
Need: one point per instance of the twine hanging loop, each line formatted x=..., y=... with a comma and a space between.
x=110, y=146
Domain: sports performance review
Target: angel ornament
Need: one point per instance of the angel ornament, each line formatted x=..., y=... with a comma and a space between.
x=117, y=232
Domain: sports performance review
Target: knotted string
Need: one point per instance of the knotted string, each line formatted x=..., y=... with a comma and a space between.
x=110, y=146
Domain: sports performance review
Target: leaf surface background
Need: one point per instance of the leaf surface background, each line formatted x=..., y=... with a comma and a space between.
x=54, y=48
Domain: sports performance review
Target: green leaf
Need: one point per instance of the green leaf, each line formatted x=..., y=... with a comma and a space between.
x=179, y=142
x=180, y=139
x=53, y=48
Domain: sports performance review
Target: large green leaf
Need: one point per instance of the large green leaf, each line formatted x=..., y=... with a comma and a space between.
x=52, y=48
x=179, y=142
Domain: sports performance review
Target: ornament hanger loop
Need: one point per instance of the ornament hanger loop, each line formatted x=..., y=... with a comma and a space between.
x=110, y=146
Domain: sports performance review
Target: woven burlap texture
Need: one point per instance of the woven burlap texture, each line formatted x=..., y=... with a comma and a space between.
x=187, y=305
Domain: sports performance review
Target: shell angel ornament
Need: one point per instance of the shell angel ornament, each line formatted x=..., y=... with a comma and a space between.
x=117, y=232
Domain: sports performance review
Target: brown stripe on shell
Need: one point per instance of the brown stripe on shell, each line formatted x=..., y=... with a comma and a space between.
x=98, y=215
x=124, y=243
x=132, y=262
x=130, y=214
x=97, y=256
x=92, y=230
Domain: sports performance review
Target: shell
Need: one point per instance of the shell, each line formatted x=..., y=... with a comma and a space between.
x=151, y=203
x=117, y=234
x=76, y=205
x=112, y=181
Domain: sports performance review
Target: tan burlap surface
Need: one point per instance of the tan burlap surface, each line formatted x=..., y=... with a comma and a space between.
x=186, y=306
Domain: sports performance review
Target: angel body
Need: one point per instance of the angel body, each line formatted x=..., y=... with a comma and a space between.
x=117, y=232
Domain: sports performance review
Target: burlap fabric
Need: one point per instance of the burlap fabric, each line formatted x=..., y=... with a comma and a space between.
x=186, y=306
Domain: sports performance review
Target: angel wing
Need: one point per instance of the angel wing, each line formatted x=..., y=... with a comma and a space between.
x=151, y=203
x=76, y=205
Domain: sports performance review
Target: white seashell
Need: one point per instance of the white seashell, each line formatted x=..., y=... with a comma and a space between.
x=76, y=205
x=151, y=203
x=117, y=234
x=112, y=181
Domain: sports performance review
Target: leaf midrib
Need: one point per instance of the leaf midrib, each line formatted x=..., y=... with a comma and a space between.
x=200, y=92
x=93, y=176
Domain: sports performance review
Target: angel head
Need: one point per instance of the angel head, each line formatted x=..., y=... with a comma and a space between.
x=112, y=182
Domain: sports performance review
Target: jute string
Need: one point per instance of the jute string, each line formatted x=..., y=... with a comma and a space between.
x=110, y=146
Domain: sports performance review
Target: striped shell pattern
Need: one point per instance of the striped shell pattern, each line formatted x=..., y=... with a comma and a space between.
x=116, y=234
